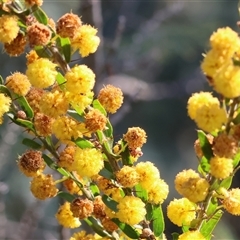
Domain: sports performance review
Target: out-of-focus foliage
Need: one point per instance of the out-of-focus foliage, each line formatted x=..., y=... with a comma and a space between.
x=152, y=50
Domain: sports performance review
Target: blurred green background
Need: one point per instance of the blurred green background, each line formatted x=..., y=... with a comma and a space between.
x=152, y=50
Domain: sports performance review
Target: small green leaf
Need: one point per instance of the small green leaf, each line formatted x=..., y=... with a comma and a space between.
x=141, y=192
x=1, y=80
x=98, y=105
x=42, y=52
x=31, y=143
x=110, y=203
x=64, y=45
x=66, y=196
x=5, y=90
x=63, y=171
x=236, y=120
x=205, y=145
x=21, y=122
x=149, y=208
x=175, y=236
x=105, y=173
x=227, y=182
x=158, y=220
x=40, y=15
x=94, y=189
x=25, y=106
x=212, y=206
x=49, y=162
x=126, y=157
x=208, y=226
x=236, y=160
x=83, y=143
x=60, y=79
x=127, y=229
x=109, y=131
x=204, y=164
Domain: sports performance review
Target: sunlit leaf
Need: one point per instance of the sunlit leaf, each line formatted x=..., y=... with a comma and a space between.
x=1, y=80
x=141, y=192
x=158, y=220
x=98, y=105
x=21, y=122
x=208, y=226
x=40, y=15
x=31, y=143
x=94, y=189
x=64, y=45
x=60, y=79
x=205, y=166
x=236, y=159
x=5, y=90
x=127, y=229
x=83, y=143
x=205, y=145
x=25, y=106
x=63, y=171
x=227, y=182
x=49, y=162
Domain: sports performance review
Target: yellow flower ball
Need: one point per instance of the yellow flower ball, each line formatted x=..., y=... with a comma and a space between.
x=41, y=73
x=8, y=28
x=190, y=235
x=5, y=103
x=221, y=167
x=232, y=202
x=87, y=162
x=65, y=217
x=181, y=212
x=131, y=210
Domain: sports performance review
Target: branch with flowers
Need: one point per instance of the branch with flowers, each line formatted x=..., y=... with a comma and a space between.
x=70, y=133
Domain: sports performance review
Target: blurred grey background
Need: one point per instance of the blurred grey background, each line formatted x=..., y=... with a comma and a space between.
x=152, y=50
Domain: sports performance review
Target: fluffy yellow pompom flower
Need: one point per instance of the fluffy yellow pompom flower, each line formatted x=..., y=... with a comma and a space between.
x=41, y=73
x=213, y=61
x=135, y=137
x=18, y=83
x=221, y=167
x=190, y=235
x=87, y=162
x=66, y=158
x=205, y=110
x=43, y=187
x=8, y=28
x=181, y=211
x=227, y=80
x=85, y=40
x=82, y=235
x=232, y=202
x=148, y=174
x=65, y=217
x=66, y=128
x=80, y=80
x=111, y=98
x=4, y=105
x=189, y=184
x=128, y=176
x=197, y=100
x=54, y=104
x=131, y=210
x=225, y=39
x=158, y=192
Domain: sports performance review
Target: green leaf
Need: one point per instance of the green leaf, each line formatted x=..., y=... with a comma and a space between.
x=106, y=173
x=40, y=15
x=208, y=226
x=31, y=143
x=66, y=196
x=5, y=90
x=236, y=160
x=175, y=236
x=109, y=131
x=158, y=220
x=149, y=215
x=104, y=141
x=236, y=120
x=205, y=145
x=60, y=80
x=63, y=172
x=212, y=206
x=110, y=203
x=1, y=80
x=227, y=182
x=204, y=164
x=21, y=122
x=98, y=105
x=25, y=106
x=83, y=143
x=42, y=52
x=141, y=192
x=64, y=46
x=126, y=157
x=49, y=162
x=94, y=189
x=127, y=229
